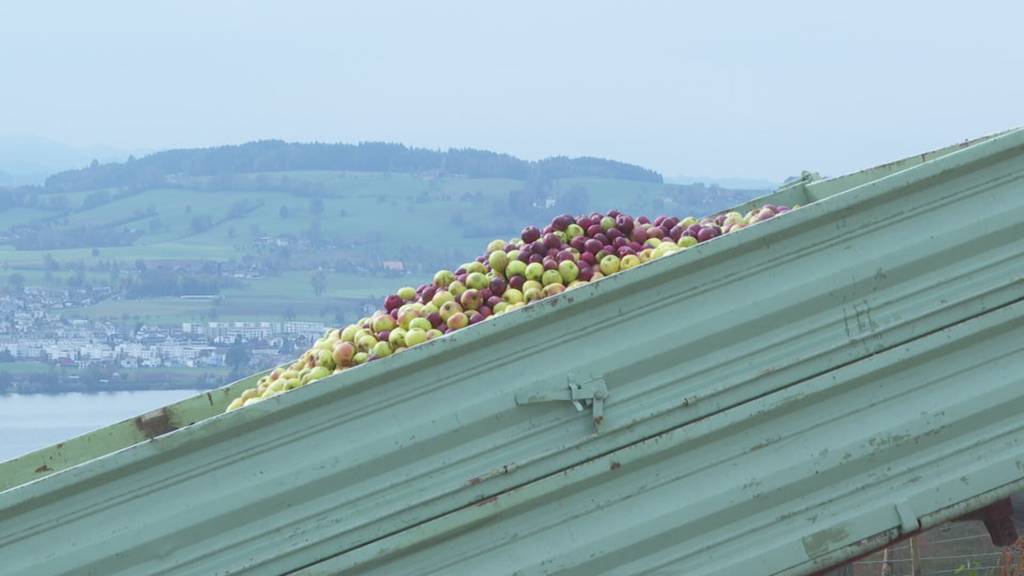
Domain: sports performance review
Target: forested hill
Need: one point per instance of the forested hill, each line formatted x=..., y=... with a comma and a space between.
x=163, y=168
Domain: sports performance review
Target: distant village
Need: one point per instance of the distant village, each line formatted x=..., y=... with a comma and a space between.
x=35, y=328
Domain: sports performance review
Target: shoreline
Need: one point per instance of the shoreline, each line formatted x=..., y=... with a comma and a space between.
x=91, y=392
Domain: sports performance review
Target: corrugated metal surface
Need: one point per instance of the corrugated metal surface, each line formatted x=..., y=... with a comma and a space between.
x=74, y=451
x=333, y=467
x=784, y=484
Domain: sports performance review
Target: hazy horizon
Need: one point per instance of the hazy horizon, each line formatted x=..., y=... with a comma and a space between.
x=728, y=91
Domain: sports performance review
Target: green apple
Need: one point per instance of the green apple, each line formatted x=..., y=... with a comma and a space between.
x=534, y=271
x=666, y=248
x=449, y=309
x=380, y=350
x=569, y=271
x=512, y=296
x=365, y=343
x=405, y=318
x=629, y=261
x=498, y=261
x=326, y=359
x=319, y=372
x=383, y=322
x=440, y=297
x=554, y=288
x=348, y=333
x=443, y=278
x=495, y=246
x=397, y=337
x=471, y=299
x=415, y=336
x=421, y=324
x=476, y=281
x=609, y=264
x=407, y=293
x=686, y=241
x=551, y=277
x=515, y=268
x=457, y=321
x=456, y=288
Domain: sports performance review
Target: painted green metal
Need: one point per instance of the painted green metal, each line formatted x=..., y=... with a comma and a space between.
x=787, y=484
x=332, y=469
x=74, y=451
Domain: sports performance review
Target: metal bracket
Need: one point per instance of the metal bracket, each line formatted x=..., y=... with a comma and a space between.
x=592, y=392
x=908, y=520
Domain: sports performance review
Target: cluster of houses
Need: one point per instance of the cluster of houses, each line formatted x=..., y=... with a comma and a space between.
x=33, y=328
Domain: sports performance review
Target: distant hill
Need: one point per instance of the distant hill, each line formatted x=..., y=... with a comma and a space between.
x=728, y=183
x=307, y=231
x=172, y=167
x=28, y=159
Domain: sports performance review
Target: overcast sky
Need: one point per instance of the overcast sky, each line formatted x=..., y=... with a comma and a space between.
x=738, y=89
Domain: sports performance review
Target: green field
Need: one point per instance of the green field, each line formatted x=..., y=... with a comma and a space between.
x=426, y=222
x=147, y=310
x=25, y=367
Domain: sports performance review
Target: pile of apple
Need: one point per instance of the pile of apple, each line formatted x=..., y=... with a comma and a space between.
x=569, y=252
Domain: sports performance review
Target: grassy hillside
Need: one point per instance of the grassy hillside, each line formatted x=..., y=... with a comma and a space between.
x=289, y=224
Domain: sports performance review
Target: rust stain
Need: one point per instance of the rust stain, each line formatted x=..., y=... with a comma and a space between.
x=60, y=445
x=209, y=398
x=154, y=423
x=43, y=469
x=493, y=473
x=598, y=420
x=824, y=541
x=765, y=443
x=615, y=466
x=487, y=501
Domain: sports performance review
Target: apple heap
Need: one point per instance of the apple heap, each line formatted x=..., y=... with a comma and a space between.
x=569, y=252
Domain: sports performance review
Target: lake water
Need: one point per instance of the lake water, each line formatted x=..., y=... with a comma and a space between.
x=32, y=421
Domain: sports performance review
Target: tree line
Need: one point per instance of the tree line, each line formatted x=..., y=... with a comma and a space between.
x=163, y=168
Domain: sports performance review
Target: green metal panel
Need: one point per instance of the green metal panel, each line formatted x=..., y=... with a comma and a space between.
x=123, y=434
x=335, y=466
x=788, y=483
x=110, y=439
